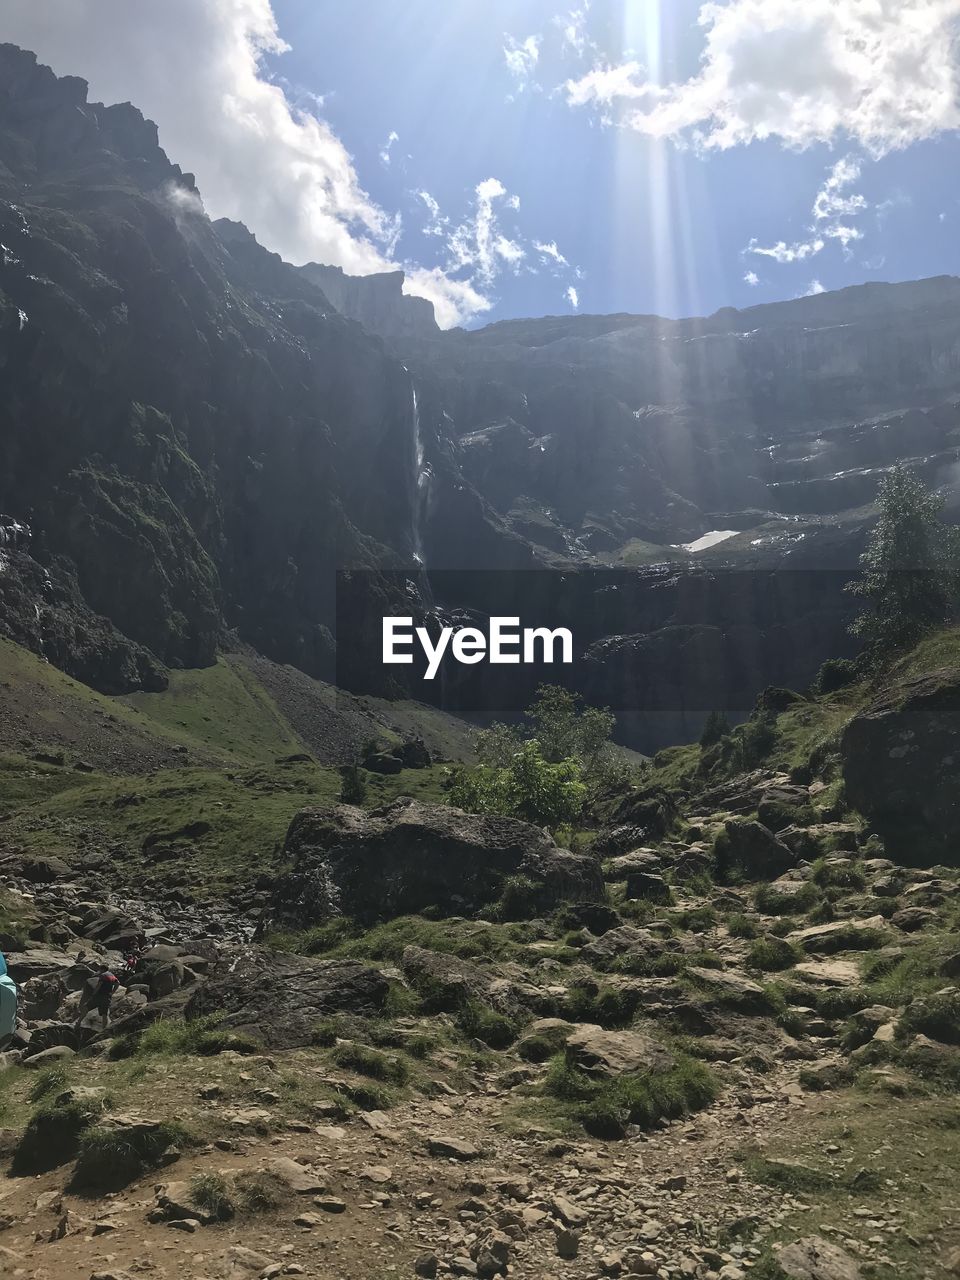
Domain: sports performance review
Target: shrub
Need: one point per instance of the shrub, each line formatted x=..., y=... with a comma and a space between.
x=605, y=1107
x=771, y=955
x=259, y=1193
x=520, y=898
x=607, y=1007
x=353, y=785
x=842, y=875
x=110, y=1157
x=741, y=926
x=776, y=902
x=936, y=1016
x=210, y=1192
x=481, y=1022
x=49, y=1080
x=529, y=787
x=717, y=726
x=787, y=1175
x=834, y=674
x=51, y=1138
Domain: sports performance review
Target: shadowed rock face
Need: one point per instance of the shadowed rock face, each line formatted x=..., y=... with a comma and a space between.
x=409, y=856
x=280, y=999
x=198, y=434
x=901, y=765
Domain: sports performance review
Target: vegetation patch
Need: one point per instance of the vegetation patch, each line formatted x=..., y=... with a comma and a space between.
x=112, y=1156
x=605, y=1107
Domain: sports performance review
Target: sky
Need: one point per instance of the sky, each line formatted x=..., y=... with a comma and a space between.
x=531, y=157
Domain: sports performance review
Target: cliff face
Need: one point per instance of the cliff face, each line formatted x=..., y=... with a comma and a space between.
x=198, y=434
x=377, y=302
x=185, y=417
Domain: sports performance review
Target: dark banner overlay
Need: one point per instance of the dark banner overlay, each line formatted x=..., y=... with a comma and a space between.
x=660, y=647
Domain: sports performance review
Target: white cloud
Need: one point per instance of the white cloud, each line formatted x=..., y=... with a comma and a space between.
x=882, y=72
x=752, y=279
x=550, y=254
x=259, y=150
x=573, y=297
x=573, y=30
x=830, y=206
x=813, y=289
x=385, y=157
x=782, y=252
x=477, y=244
x=521, y=57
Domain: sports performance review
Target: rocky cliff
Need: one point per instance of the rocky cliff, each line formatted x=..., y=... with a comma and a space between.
x=198, y=434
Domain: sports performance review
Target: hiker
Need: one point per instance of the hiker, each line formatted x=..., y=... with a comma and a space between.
x=97, y=994
x=131, y=959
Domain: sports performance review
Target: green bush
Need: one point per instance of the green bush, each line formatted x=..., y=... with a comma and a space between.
x=520, y=899
x=51, y=1138
x=607, y=1007
x=606, y=1107
x=353, y=785
x=111, y=1157
x=771, y=955
x=774, y=902
x=936, y=1016
x=259, y=1192
x=528, y=786
x=482, y=1023
x=832, y=875
x=741, y=926
x=211, y=1193
x=834, y=674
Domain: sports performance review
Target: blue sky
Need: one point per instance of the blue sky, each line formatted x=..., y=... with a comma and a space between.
x=529, y=157
x=438, y=77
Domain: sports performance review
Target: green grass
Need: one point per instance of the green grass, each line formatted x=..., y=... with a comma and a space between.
x=605, y=1107
x=370, y=1062
x=110, y=1158
x=742, y=926
x=468, y=939
x=771, y=955
x=174, y=1038
x=51, y=1138
x=830, y=875
x=772, y=901
x=49, y=1080
x=223, y=709
x=211, y=1193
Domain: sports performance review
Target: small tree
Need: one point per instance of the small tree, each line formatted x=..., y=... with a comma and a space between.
x=566, y=729
x=717, y=726
x=353, y=785
x=547, y=793
x=911, y=566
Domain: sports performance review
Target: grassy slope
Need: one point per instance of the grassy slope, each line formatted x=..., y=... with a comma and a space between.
x=221, y=708
x=812, y=726
x=207, y=750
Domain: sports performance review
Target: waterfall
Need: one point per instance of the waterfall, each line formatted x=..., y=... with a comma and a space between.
x=422, y=476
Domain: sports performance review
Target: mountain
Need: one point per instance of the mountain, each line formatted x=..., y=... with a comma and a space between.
x=194, y=436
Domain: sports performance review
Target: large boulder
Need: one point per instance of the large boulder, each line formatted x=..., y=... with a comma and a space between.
x=410, y=856
x=901, y=764
x=753, y=850
x=814, y=1258
x=278, y=999
x=615, y=1053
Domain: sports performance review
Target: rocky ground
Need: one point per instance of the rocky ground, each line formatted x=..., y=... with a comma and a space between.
x=448, y=1096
